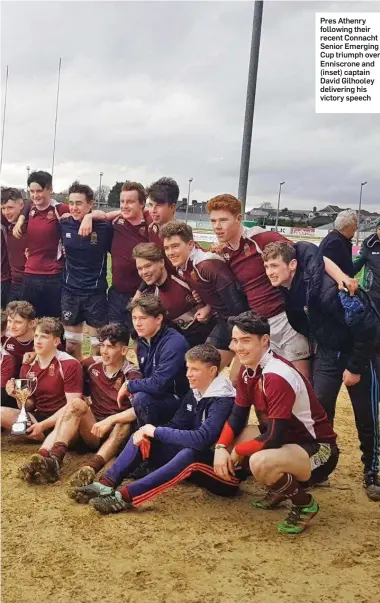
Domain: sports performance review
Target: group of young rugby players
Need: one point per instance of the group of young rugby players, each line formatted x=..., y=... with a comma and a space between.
x=282, y=315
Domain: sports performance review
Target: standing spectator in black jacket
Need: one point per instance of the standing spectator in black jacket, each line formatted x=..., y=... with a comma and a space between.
x=369, y=257
x=338, y=244
x=346, y=341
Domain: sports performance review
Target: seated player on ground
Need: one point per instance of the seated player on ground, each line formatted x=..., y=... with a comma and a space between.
x=161, y=357
x=92, y=423
x=20, y=331
x=7, y=367
x=59, y=380
x=84, y=287
x=175, y=294
x=179, y=450
x=294, y=444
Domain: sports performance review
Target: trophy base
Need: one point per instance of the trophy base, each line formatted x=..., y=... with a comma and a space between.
x=20, y=428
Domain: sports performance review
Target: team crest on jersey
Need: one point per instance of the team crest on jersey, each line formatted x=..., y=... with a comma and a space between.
x=68, y=235
x=50, y=215
x=51, y=370
x=33, y=212
x=121, y=221
x=93, y=238
x=189, y=407
x=31, y=375
x=10, y=347
x=118, y=383
x=66, y=314
x=247, y=250
x=226, y=256
x=155, y=228
x=95, y=372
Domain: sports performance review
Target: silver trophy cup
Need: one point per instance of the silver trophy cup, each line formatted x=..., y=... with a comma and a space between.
x=25, y=388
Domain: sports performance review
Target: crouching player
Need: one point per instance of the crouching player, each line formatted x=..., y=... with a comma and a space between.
x=59, y=380
x=179, y=450
x=294, y=445
x=96, y=425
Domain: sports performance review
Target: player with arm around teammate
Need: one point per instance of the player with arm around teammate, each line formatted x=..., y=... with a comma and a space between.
x=294, y=444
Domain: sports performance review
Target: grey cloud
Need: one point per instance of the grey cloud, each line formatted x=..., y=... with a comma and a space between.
x=154, y=88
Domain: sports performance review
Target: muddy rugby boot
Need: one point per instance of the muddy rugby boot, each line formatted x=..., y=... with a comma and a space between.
x=298, y=518
x=41, y=470
x=83, y=477
x=114, y=503
x=83, y=494
x=271, y=500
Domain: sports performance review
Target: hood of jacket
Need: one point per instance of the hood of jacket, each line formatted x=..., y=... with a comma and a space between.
x=221, y=387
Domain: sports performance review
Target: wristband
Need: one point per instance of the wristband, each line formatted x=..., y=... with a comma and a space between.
x=218, y=446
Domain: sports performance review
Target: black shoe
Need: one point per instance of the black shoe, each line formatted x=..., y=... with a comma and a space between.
x=141, y=471
x=371, y=483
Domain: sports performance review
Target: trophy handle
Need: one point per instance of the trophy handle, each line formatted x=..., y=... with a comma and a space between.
x=33, y=385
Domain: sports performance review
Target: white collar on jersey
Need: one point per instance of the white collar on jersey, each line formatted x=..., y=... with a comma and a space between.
x=251, y=373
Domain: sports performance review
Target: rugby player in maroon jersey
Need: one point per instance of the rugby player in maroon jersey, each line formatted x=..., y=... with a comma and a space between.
x=208, y=275
x=7, y=366
x=175, y=294
x=294, y=444
x=242, y=250
x=19, y=339
x=59, y=379
x=12, y=205
x=5, y=270
x=130, y=227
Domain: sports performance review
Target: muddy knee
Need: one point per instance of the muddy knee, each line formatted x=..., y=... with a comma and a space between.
x=75, y=408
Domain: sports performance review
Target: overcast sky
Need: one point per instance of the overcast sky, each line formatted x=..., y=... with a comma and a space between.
x=152, y=89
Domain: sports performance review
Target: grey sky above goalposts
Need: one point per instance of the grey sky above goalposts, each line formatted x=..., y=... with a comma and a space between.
x=158, y=88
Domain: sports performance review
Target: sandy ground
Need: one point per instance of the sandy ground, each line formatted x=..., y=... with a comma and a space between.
x=188, y=546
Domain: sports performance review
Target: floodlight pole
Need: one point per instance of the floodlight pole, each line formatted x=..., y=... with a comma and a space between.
x=250, y=102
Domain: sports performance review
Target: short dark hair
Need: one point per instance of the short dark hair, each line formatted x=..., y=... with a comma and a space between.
x=250, y=322
x=22, y=308
x=279, y=249
x=149, y=304
x=4, y=320
x=115, y=333
x=50, y=326
x=148, y=251
x=44, y=179
x=10, y=194
x=82, y=189
x=205, y=353
x=176, y=228
x=164, y=190
x=135, y=186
